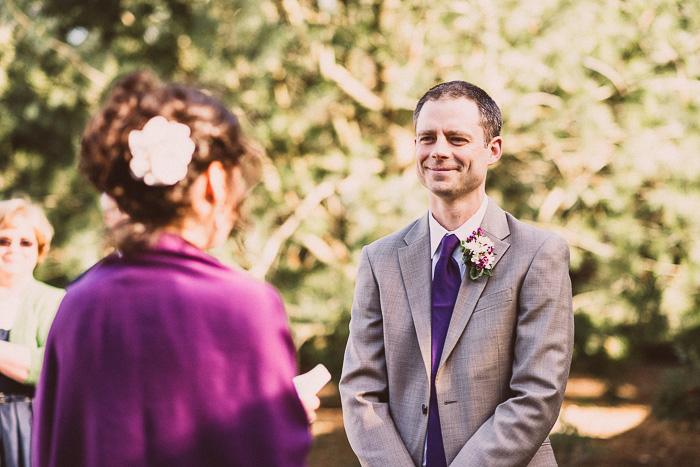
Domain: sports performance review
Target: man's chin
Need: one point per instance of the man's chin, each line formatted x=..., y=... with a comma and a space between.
x=443, y=191
x=450, y=192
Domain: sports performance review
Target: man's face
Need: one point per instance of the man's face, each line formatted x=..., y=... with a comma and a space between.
x=452, y=157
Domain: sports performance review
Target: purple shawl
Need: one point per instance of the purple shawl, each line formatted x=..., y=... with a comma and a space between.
x=167, y=357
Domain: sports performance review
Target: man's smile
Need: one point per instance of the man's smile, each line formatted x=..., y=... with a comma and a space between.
x=441, y=169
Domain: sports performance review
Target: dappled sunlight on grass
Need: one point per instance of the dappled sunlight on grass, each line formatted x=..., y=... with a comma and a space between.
x=601, y=422
x=587, y=410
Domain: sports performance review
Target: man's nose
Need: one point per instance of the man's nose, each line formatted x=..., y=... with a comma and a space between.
x=440, y=149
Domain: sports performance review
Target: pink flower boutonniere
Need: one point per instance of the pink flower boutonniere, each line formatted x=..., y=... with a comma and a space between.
x=477, y=251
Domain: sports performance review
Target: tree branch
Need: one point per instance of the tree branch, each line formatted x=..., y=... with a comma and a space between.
x=288, y=227
x=347, y=82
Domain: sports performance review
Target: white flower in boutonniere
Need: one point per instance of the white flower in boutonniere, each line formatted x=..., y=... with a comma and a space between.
x=478, y=254
x=160, y=152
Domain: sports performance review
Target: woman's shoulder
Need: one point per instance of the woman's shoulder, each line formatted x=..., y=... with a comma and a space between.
x=201, y=276
x=43, y=298
x=247, y=288
x=42, y=290
x=230, y=290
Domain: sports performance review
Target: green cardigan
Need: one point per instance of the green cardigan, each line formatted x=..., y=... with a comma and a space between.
x=31, y=327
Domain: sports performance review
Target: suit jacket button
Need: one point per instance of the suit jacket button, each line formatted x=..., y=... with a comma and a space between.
x=424, y=408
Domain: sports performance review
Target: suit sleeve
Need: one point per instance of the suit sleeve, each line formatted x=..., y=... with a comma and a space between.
x=363, y=386
x=541, y=359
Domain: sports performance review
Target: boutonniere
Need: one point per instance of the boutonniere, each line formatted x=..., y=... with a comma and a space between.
x=477, y=253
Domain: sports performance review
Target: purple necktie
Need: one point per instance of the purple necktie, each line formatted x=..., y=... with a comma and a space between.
x=446, y=281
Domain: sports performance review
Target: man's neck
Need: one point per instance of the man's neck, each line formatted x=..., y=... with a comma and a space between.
x=451, y=213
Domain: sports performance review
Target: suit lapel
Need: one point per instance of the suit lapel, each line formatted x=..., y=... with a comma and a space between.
x=416, y=271
x=495, y=226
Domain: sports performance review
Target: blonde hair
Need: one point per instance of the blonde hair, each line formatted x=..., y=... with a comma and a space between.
x=12, y=209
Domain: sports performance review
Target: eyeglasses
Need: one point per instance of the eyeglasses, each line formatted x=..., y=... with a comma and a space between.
x=23, y=243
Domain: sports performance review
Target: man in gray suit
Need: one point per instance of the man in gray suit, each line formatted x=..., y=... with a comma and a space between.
x=454, y=362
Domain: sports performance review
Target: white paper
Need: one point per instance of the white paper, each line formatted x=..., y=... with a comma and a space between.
x=313, y=380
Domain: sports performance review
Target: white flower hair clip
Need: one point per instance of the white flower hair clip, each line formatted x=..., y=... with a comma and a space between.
x=160, y=152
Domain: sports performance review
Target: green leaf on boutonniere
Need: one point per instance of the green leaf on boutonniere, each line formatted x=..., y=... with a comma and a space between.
x=475, y=273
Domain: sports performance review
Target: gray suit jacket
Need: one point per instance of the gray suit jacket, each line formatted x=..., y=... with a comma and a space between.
x=505, y=362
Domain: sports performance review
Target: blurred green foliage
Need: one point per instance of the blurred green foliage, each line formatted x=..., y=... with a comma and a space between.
x=572, y=448
x=600, y=100
x=679, y=397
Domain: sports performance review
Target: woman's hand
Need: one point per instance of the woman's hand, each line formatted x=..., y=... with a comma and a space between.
x=308, y=385
x=14, y=361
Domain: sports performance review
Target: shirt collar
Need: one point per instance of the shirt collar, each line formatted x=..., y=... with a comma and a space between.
x=462, y=232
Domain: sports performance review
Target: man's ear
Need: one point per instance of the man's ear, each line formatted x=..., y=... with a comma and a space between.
x=495, y=150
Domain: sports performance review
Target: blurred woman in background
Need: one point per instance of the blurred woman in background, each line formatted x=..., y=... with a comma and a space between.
x=27, y=308
x=160, y=355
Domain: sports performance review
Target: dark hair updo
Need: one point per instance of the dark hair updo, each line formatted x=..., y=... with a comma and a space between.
x=105, y=153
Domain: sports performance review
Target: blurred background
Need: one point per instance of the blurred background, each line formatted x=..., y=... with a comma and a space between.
x=601, y=103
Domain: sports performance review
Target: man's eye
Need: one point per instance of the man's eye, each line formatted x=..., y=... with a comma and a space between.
x=426, y=139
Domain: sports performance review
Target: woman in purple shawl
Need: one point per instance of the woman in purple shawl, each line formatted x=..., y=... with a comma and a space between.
x=160, y=355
